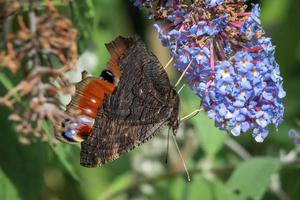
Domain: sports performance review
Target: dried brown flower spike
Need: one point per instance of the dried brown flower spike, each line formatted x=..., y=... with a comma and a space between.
x=31, y=47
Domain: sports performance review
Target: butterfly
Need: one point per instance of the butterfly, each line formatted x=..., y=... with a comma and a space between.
x=134, y=99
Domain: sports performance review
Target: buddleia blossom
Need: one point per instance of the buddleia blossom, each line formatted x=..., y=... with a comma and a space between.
x=227, y=60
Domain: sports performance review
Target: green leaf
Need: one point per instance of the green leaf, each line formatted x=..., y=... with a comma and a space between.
x=63, y=153
x=7, y=189
x=23, y=165
x=211, y=138
x=6, y=82
x=8, y=85
x=118, y=184
x=251, y=178
x=221, y=192
x=200, y=187
x=176, y=187
x=209, y=190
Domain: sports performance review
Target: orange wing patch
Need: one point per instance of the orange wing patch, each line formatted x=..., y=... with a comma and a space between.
x=117, y=49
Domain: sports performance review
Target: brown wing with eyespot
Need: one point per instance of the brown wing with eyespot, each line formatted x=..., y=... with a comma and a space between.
x=143, y=102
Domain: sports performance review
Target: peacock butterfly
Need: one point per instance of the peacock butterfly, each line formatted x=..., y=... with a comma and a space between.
x=132, y=99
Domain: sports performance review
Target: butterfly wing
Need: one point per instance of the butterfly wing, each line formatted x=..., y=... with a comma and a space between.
x=143, y=102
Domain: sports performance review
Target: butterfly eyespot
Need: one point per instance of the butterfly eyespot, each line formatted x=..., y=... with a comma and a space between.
x=107, y=75
x=69, y=135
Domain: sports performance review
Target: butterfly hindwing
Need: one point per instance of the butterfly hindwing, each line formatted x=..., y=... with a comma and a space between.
x=143, y=102
x=113, y=140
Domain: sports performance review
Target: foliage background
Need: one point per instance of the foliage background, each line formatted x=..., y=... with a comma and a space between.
x=221, y=166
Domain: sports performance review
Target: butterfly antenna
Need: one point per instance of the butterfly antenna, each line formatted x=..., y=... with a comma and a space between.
x=181, y=88
x=168, y=63
x=181, y=157
x=168, y=143
x=192, y=114
x=183, y=73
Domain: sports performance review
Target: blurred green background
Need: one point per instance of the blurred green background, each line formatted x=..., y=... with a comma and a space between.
x=221, y=166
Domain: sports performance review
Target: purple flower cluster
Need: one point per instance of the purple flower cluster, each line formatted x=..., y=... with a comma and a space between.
x=227, y=60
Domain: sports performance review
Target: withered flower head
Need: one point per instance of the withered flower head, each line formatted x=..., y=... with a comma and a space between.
x=33, y=46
